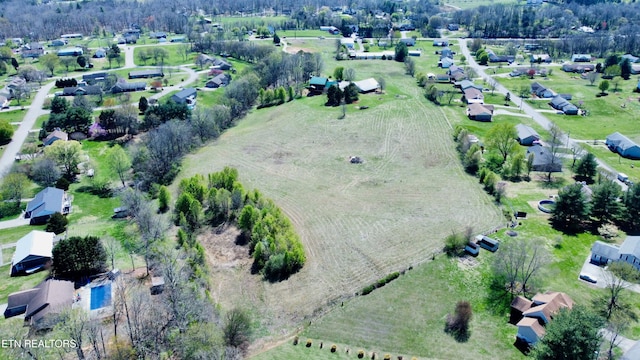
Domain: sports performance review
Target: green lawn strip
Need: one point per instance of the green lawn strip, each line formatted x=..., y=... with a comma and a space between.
x=617, y=162
x=39, y=121
x=14, y=116
x=10, y=284
x=607, y=114
x=305, y=33
x=399, y=319
x=175, y=55
x=11, y=235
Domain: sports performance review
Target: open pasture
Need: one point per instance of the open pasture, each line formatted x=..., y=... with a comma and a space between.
x=358, y=222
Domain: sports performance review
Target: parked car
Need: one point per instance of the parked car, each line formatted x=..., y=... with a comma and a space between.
x=588, y=278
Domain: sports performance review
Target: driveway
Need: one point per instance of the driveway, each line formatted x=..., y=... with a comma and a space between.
x=601, y=274
x=21, y=221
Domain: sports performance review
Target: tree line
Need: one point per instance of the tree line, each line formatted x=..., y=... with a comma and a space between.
x=221, y=199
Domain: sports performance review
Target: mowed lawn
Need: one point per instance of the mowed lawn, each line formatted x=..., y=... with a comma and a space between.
x=615, y=112
x=357, y=222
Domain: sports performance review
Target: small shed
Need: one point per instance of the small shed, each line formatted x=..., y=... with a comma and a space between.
x=157, y=285
x=367, y=85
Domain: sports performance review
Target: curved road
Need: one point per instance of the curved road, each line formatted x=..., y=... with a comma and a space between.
x=35, y=110
x=528, y=109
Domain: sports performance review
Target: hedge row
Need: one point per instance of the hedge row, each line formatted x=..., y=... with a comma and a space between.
x=380, y=283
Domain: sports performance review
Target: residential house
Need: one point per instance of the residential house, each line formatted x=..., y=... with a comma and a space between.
x=408, y=41
x=100, y=53
x=446, y=52
x=4, y=102
x=185, y=96
x=72, y=51
x=445, y=62
x=57, y=43
x=635, y=69
x=581, y=58
x=480, y=112
x=367, y=85
x=71, y=36
x=56, y=135
x=499, y=58
x=221, y=64
x=204, y=59
x=454, y=69
x=519, y=305
x=158, y=35
x=472, y=95
x=140, y=74
x=546, y=58
x=415, y=52
x=603, y=253
x=94, y=77
x=317, y=84
x=121, y=87
x=177, y=39
x=578, y=68
x=630, y=251
x=526, y=135
x=543, y=159
x=42, y=303
x=632, y=59
x=441, y=42
x=32, y=50
x=32, y=252
x=349, y=43
x=453, y=27
x=537, y=313
x=132, y=33
x=47, y=202
x=623, y=146
x=443, y=78
x=541, y=91
x=465, y=84
x=559, y=103
x=218, y=81
x=82, y=90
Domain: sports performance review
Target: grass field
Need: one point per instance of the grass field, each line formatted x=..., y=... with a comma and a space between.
x=175, y=55
x=306, y=33
x=607, y=114
x=12, y=116
x=358, y=222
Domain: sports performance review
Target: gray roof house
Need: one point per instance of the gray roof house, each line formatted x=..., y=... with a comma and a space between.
x=46, y=203
x=631, y=58
x=127, y=86
x=541, y=91
x=145, y=74
x=185, y=96
x=56, y=135
x=480, y=112
x=603, y=253
x=623, y=146
x=52, y=297
x=222, y=64
x=82, y=90
x=526, y=135
x=93, y=77
x=630, y=251
x=581, y=58
x=445, y=62
x=17, y=302
x=218, y=80
x=408, y=41
x=367, y=85
x=465, y=84
x=560, y=103
x=33, y=252
x=543, y=160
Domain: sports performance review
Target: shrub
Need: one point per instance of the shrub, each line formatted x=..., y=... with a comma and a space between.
x=373, y=356
x=57, y=223
x=63, y=184
x=455, y=243
x=387, y=357
x=458, y=324
x=309, y=342
x=380, y=283
x=334, y=348
x=360, y=354
x=295, y=340
x=9, y=209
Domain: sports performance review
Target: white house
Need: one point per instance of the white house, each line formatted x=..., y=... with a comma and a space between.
x=33, y=252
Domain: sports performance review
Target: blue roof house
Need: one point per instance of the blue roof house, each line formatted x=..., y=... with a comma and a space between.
x=46, y=203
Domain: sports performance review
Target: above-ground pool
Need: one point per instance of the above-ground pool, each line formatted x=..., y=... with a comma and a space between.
x=546, y=206
x=100, y=296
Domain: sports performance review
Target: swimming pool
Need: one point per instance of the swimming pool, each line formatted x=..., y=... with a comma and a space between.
x=100, y=296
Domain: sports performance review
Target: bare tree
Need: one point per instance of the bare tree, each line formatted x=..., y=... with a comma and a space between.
x=518, y=264
x=617, y=278
x=74, y=323
x=112, y=247
x=555, y=142
x=349, y=74
x=592, y=77
x=152, y=228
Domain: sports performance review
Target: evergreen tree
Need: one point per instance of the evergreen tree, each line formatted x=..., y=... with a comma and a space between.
x=351, y=93
x=604, y=202
x=143, y=105
x=587, y=167
x=625, y=69
x=57, y=223
x=632, y=205
x=334, y=96
x=571, y=209
x=401, y=52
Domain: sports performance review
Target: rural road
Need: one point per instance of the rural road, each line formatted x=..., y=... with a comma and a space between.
x=528, y=109
x=20, y=135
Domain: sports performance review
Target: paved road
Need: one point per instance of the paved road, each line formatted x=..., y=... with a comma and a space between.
x=528, y=109
x=20, y=135
x=622, y=342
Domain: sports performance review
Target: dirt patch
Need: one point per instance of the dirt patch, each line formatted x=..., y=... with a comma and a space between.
x=222, y=251
x=295, y=49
